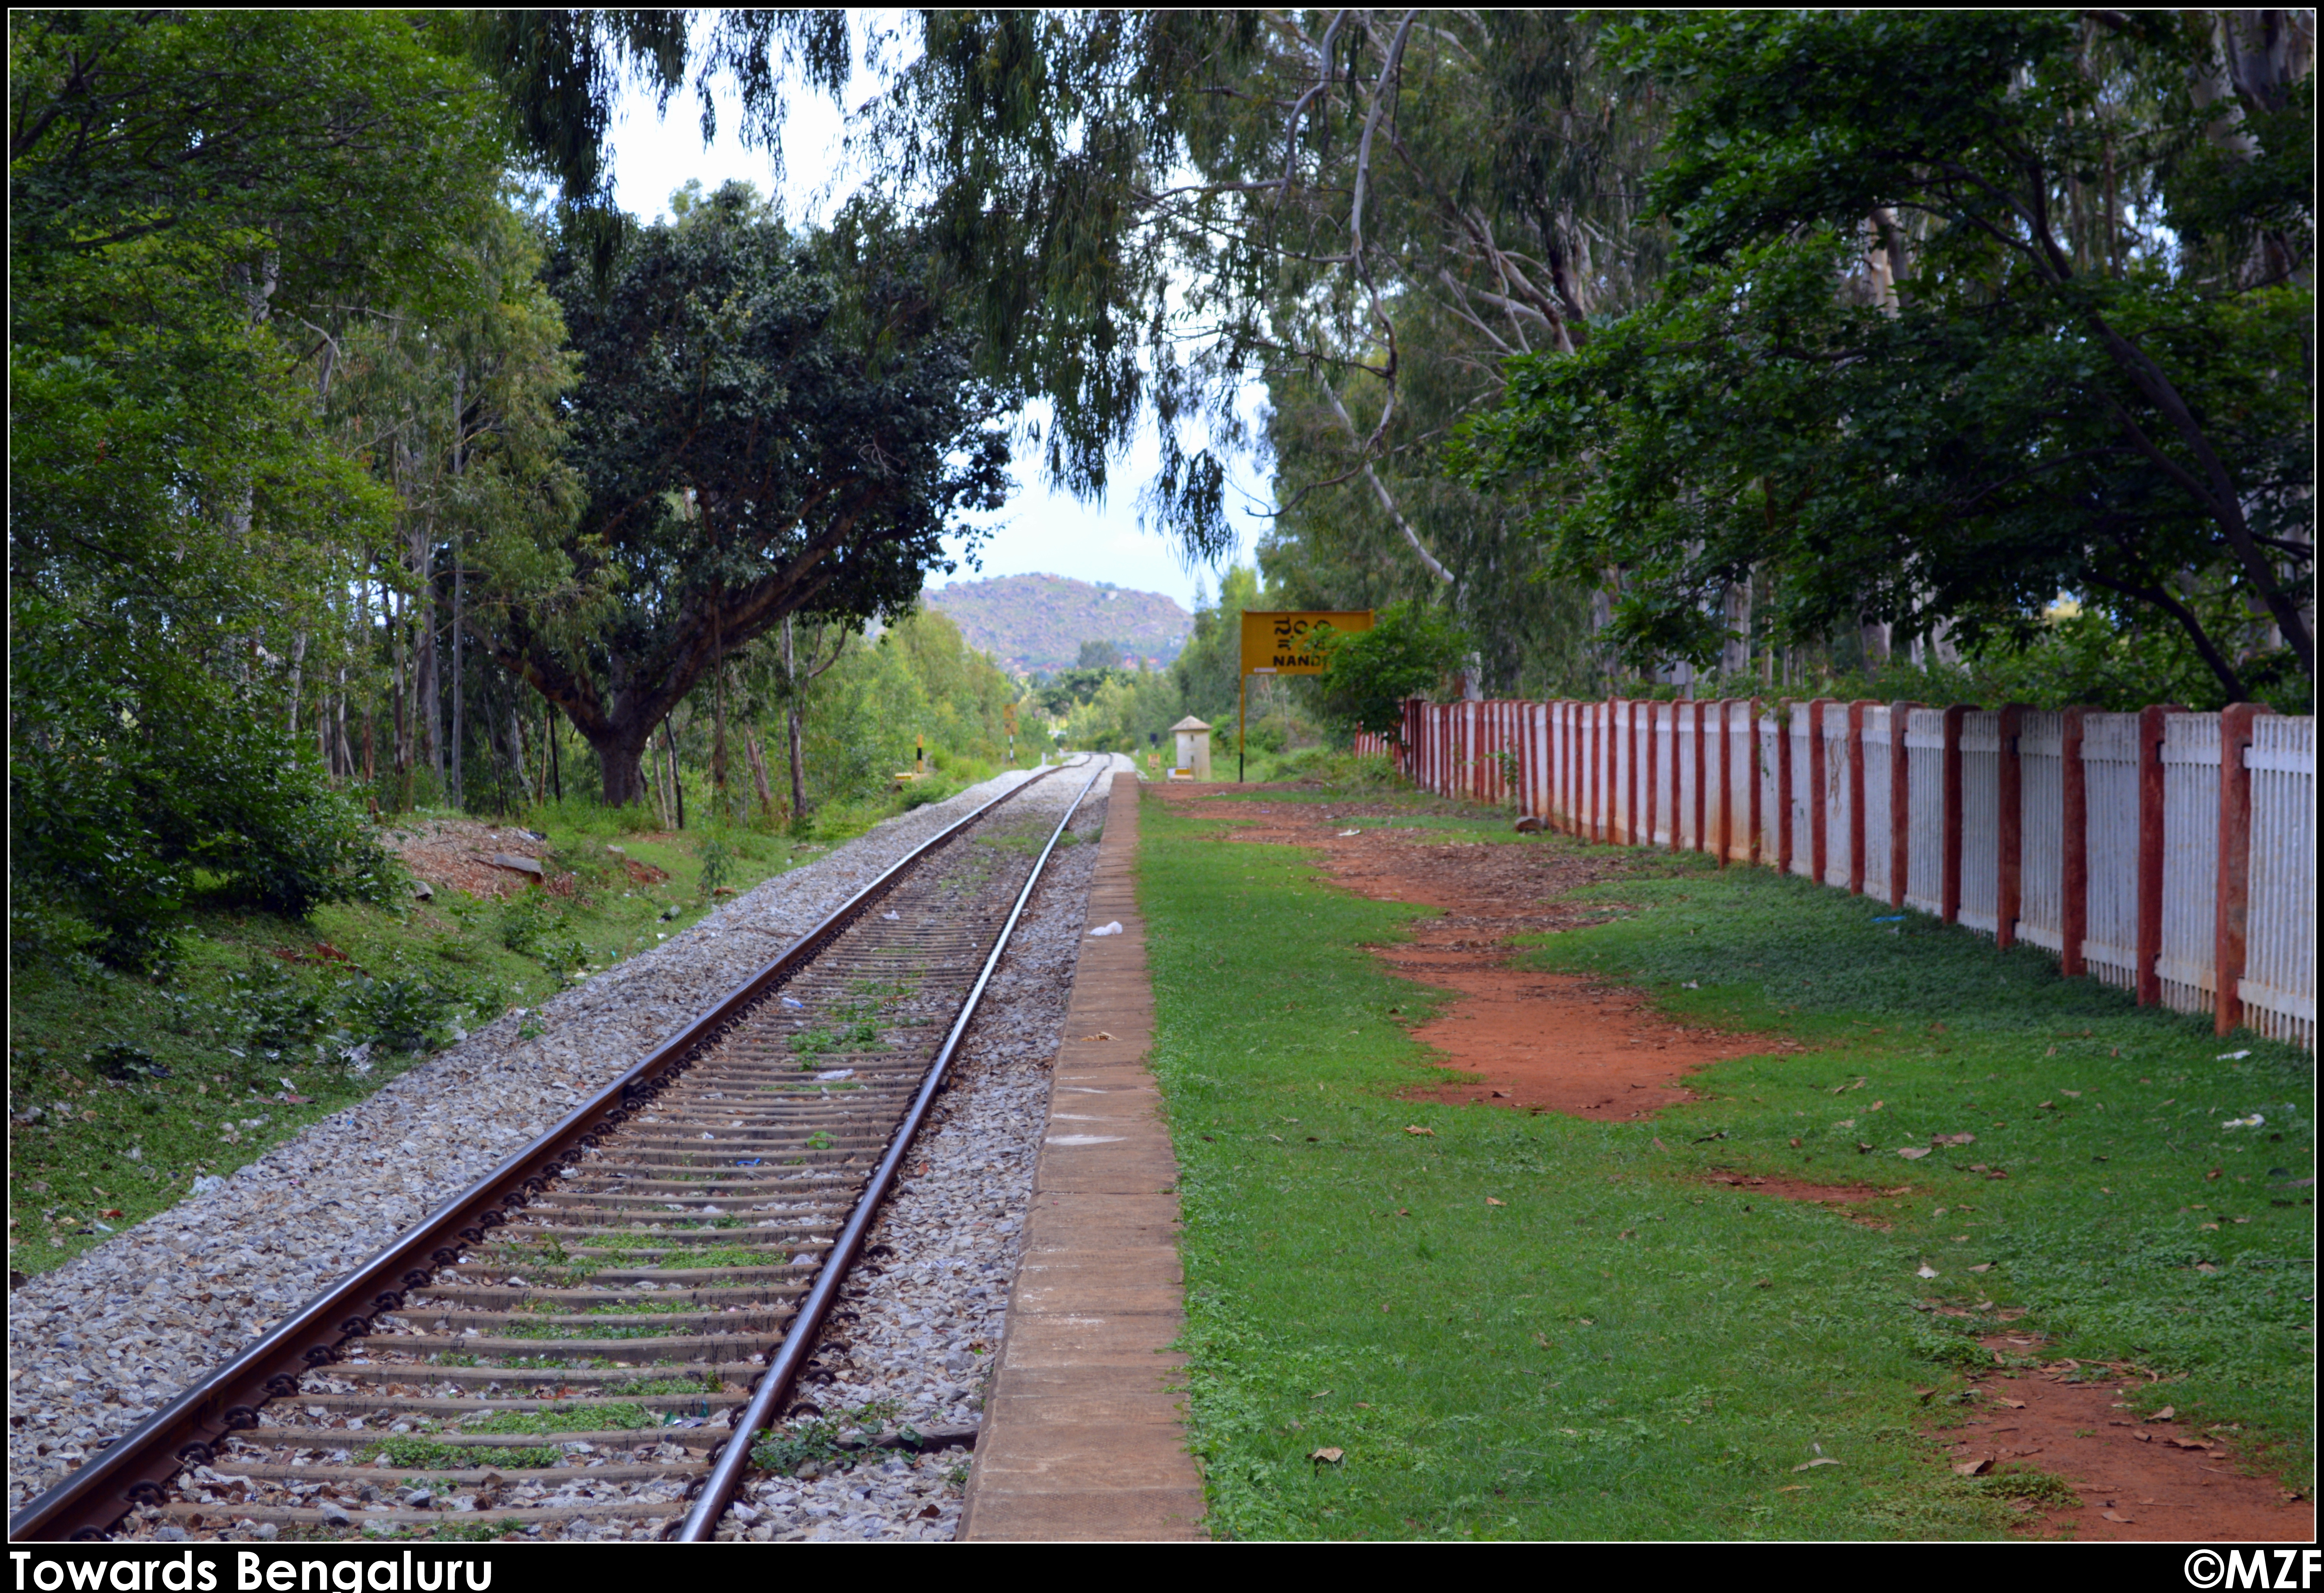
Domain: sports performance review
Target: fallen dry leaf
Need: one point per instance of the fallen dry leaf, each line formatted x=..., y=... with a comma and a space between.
x=1982, y=1266
x=1974, y=1467
x=2165, y=1415
x=1101, y=1035
x=1925, y=1270
x=1913, y=1153
x=1327, y=1456
x=1795, y=1145
x=1953, y=1139
x=1491, y=1201
x=1812, y=1465
x=2110, y=1516
x=1416, y=1128
x=1796, y=1488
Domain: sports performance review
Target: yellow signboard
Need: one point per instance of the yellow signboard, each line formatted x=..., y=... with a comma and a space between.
x=1009, y=716
x=1274, y=641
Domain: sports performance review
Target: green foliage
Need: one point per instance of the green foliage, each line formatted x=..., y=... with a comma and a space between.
x=406, y=1008
x=764, y=422
x=118, y=826
x=1368, y=673
x=2013, y=384
x=816, y=1441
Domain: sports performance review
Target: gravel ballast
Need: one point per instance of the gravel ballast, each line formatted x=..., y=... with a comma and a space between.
x=101, y=1343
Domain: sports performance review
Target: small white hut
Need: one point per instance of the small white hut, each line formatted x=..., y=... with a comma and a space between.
x=1194, y=760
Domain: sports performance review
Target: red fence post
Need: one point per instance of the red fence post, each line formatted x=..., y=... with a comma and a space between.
x=2074, y=835
x=1900, y=802
x=1752, y=795
x=2232, y=915
x=2009, y=841
x=2150, y=852
x=1949, y=881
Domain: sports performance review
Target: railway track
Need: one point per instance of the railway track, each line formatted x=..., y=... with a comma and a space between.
x=589, y=1339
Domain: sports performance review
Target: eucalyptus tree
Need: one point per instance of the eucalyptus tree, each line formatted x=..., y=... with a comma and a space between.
x=765, y=424
x=2088, y=364
x=1140, y=212
x=197, y=202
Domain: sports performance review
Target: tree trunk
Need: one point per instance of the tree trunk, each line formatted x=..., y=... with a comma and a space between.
x=516, y=748
x=456, y=784
x=427, y=700
x=297, y=677
x=403, y=749
x=757, y=759
x=791, y=720
x=620, y=764
x=676, y=781
x=1735, y=657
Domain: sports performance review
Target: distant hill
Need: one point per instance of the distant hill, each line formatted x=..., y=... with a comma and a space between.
x=1040, y=621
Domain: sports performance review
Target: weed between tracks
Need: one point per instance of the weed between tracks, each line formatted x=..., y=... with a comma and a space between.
x=1535, y=1326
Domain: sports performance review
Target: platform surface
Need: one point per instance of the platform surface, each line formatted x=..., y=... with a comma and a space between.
x=1084, y=1433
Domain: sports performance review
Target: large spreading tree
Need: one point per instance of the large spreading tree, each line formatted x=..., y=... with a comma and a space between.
x=766, y=424
x=1975, y=308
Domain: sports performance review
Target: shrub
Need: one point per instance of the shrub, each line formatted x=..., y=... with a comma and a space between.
x=112, y=818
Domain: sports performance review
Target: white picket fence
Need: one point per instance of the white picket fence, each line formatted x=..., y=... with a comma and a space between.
x=2111, y=839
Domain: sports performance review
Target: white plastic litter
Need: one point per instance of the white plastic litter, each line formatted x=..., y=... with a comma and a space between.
x=2252, y=1121
x=793, y=1001
x=1345, y=834
x=891, y=915
x=1113, y=928
x=835, y=1073
x=2233, y=1055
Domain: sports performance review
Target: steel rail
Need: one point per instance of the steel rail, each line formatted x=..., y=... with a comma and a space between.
x=133, y=1469
x=783, y=1367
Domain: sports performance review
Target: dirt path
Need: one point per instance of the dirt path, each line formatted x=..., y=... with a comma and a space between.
x=1537, y=1042
x=1545, y=1042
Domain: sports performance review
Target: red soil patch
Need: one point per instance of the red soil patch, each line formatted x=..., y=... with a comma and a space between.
x=1538, y=1042
x=1556, y=1043
x=1794, y=1189
x=2139, y=1479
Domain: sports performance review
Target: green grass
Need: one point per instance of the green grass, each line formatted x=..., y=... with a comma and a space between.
x=1618, y=1348
x=592, y=1418
x=420, y=1454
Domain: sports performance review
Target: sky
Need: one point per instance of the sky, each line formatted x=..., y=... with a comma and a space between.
x=1041, y=530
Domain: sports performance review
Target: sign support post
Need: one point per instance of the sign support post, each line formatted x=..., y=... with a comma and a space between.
x=1275, y=642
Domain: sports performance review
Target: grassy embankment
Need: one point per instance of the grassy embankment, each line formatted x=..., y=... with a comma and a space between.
x=1536, y=1326
x=124, y=1090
